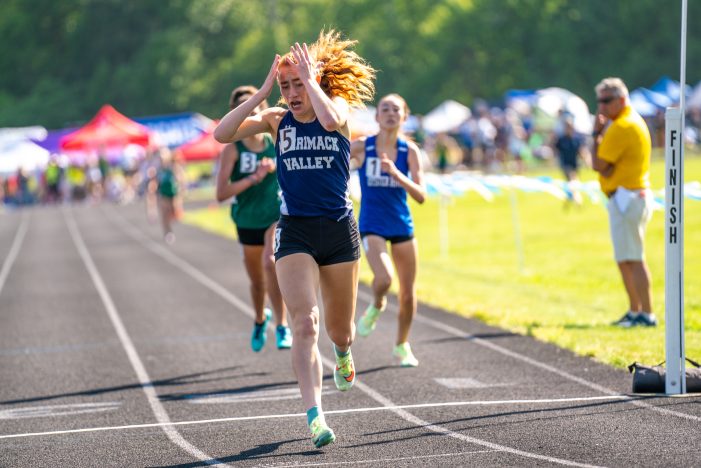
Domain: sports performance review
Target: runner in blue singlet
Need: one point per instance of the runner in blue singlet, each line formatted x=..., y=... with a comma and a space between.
x=316, y=241
x=389, y=168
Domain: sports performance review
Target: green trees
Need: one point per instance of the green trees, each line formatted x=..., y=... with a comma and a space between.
x=61, y=60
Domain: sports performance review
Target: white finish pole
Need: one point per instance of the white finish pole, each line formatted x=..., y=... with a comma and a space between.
x=675, y=379
x=674, y=255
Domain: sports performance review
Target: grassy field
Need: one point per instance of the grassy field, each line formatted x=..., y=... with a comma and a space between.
x=565, y=287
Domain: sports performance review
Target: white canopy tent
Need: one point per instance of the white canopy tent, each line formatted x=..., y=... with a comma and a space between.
x=694, y=101
x=553, y=100
x=363, y=123
x=22, y=133
x=446, y=117
x=15, y=154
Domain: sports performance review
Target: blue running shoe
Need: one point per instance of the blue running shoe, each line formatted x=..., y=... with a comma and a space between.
x=284, y=337
x=260, y=332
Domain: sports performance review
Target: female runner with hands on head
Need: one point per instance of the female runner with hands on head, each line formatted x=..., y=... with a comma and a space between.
x=316, y=241
x=389, y=169
x=246, y=171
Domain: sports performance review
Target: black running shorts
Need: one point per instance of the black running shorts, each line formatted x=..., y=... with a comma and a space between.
x=390, y=239
x=327, y=241
x=251, y=236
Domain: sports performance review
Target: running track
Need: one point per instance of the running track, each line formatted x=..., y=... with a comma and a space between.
x=116, y=350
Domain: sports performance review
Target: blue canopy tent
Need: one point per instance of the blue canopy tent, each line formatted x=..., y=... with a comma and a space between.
x=175, y=129
x=642, y=104
x=660, y=100
x=670, y=88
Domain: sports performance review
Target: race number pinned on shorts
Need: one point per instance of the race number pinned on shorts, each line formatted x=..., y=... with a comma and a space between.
x=276, y=239
x=248, y=162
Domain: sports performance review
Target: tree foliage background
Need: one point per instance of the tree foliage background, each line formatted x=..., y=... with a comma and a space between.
x=61, y=60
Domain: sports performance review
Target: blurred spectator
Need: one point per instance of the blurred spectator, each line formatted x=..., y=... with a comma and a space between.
x=502, y=137
x=466, y=141
x=77, y=182
x=485, y=134
x=570, y=148
x=445, y=151
x=518, y=137
x=24, y=193
x=53, y=176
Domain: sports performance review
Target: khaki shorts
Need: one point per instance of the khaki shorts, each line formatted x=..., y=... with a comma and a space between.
x=628, y=228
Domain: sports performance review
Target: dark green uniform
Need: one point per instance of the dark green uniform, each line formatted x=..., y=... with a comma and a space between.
x=167, y=185
x=258, y=206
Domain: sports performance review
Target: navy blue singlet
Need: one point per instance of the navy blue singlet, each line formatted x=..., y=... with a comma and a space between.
x=313, y=169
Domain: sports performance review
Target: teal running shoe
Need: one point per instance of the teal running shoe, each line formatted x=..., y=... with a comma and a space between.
x=284, y=337
x=344, y=374
x=406, y=357
x=321, y=433
x=367, y=322
x=260, y=332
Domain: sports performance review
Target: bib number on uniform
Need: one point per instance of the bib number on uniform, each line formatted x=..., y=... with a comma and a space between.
x=288, y=136
x=249, y=163
x=373, y=168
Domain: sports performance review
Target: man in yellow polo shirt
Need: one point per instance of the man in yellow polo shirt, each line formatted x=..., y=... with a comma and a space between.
x=621, y=156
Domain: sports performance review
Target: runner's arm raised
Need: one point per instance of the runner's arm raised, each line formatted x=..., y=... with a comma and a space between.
x=239, y=123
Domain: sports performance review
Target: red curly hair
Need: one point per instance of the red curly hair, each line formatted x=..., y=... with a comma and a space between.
x=343, y=72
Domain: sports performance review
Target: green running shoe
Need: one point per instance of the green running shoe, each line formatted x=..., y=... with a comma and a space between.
x=367, y=322
x=406, y=357
x=344, y=374
x=260, y=332
x=321, y=433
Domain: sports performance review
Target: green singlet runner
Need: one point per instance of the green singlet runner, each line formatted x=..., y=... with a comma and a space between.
x=258, y=206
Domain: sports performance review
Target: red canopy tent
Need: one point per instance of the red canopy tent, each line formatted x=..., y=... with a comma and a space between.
x=108, y=128
x=202, y=148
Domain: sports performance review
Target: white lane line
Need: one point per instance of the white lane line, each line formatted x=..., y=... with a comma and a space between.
x=245, y=309
x=257, y=395
x=462, y=383
x=14, y=250
x=506, y=352
x=138, y=366
x=377, y=460
x=300, y=415
x=456, y=435
x=58, y=410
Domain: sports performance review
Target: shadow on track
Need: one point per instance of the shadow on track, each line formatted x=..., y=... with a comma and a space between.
x=261, y=452
x=179, y=380
x=506, y=414
x=238, y=391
